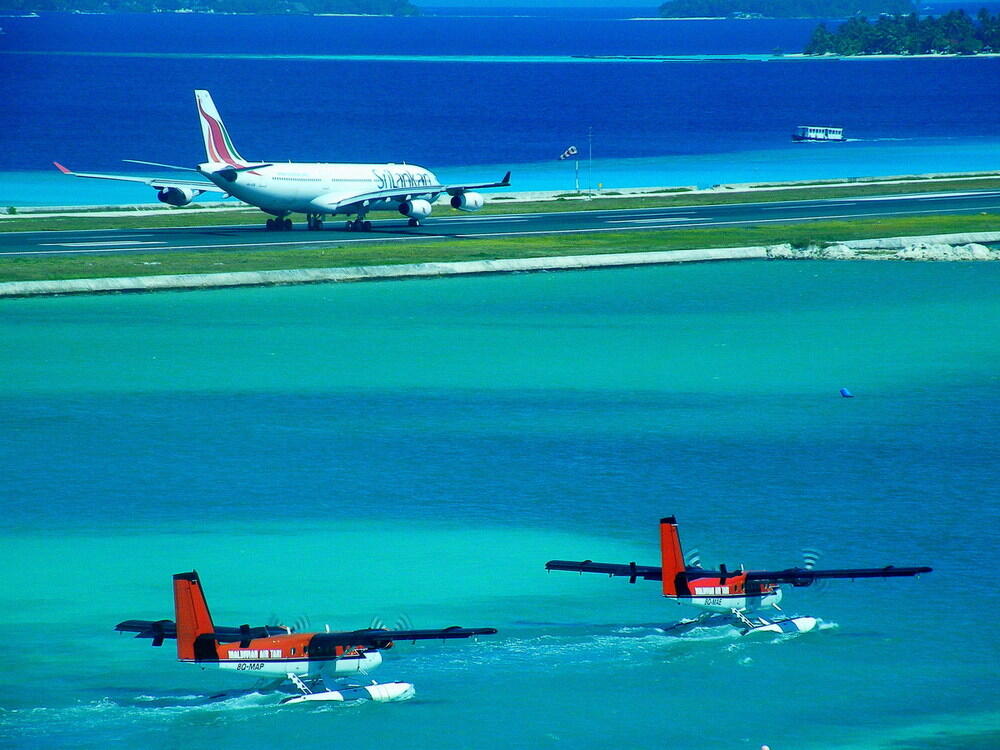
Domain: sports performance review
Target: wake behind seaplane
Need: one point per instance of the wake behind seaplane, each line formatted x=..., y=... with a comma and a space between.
x=314, y=189
x=733, y=593
x=305, y=659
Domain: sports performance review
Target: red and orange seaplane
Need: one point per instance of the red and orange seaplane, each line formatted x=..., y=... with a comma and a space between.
x=732, y=593
x=306, y=659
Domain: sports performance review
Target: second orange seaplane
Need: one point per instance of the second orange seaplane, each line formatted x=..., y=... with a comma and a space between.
x=734, y=593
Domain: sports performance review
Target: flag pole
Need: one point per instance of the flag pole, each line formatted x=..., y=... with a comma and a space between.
x=590, y=163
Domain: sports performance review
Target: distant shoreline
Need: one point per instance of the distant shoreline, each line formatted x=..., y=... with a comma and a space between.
x=581, y=59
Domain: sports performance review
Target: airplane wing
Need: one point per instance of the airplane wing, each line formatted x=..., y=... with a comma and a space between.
x=155, y=182
x=633, y=571
x=336, y=202
x=804, y=576
x=456, y=189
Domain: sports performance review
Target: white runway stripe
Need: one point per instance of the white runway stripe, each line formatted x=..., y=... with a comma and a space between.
x=104, y=244
x=649, y=221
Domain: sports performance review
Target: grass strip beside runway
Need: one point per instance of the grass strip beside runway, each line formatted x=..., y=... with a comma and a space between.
x=35, y=268
x=193, y=216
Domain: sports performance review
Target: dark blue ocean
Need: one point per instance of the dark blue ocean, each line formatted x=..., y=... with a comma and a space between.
x=465, y=94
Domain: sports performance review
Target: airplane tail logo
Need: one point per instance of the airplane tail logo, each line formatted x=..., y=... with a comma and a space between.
x=218, y=146
x=671, y=554
x=191, y=613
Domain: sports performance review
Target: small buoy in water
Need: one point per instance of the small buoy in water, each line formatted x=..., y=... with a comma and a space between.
x=764, y=747
x=846, y=393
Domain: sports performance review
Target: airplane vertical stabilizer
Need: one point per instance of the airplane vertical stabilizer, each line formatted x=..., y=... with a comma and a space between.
x=671, y=554
x=190, y=612
x=218, y=146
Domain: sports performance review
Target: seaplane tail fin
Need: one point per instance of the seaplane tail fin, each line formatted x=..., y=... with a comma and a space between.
x=191, y=613
x=218, y=146
x=671, y=554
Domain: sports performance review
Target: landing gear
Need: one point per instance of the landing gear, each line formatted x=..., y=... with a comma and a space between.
x=314, y=221
x=358, y=225
x=414, y=222
x=279, y=225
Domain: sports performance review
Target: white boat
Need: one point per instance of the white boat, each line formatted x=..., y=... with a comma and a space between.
x=816, y=133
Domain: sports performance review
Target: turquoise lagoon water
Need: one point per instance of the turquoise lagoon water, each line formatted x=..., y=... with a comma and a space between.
x=420, y=448
x=790, y=161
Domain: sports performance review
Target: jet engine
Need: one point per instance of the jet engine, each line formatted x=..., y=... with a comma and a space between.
x=467, y=201
x=175, y=196
x=416, y=209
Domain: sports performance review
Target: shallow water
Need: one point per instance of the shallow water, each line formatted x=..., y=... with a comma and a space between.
x=419, y=449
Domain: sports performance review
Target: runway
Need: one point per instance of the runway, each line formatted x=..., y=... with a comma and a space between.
x=451, y=226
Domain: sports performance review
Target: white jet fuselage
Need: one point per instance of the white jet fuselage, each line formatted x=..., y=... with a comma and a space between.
x=312, y=188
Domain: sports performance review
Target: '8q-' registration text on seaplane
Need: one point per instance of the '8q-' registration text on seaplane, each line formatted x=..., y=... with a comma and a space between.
x=311, y=188
x=733, y=593
x=327, y=660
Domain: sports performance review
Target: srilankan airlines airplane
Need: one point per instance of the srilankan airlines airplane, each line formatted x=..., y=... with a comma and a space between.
x=314, y=189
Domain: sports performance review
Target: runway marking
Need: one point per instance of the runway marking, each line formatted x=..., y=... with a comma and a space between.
x=660, y=218
x=105, y=244
x=593, y=211
x=935, y=196
x=785, y=208
x=490, y=217
x=425, y=237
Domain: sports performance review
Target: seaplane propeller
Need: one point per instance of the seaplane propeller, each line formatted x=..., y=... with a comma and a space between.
x=402, y=622
x=811, y=556
x=300, y=624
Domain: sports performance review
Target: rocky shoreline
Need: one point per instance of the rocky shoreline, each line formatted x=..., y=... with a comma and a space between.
x=934, y=248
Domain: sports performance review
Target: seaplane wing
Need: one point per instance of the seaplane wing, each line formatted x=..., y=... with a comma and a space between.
x=158, y=630
x=155, y=629
x=159, y=183
x=378, y=638
x=631, y=570
x=805, y=576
